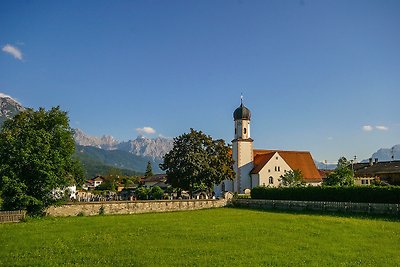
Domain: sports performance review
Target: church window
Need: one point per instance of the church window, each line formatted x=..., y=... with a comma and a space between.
x=271, y=180
x=276, y=168
x=235, y=131
x=244, y=130
x=269, y=170
x=279, y=168
x=276, y=157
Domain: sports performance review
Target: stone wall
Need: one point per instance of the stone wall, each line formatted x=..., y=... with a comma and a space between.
x=371, y=208
x=131, y=207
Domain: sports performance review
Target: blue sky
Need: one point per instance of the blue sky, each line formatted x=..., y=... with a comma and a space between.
x=322, y=76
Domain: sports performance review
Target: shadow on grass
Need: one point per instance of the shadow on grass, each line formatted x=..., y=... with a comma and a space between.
x=366, y=216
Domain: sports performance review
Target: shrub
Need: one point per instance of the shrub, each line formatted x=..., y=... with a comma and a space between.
x=156, y=193
x=364, y=194
x=142, y=193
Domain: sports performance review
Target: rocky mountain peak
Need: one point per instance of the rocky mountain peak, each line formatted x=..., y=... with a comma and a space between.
x=387, y=154
x=104, y=142
x=9, y=107
x=141, y=146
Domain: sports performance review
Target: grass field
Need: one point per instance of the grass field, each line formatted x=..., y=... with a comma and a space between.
x=214, y=237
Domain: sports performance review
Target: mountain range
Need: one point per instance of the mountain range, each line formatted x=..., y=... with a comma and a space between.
x=100, y=154
x=141, y=146
x=130, y=155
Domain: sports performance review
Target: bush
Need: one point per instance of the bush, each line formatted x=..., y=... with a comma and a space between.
x=363, y=194
x=156, y=193
x=142, y=193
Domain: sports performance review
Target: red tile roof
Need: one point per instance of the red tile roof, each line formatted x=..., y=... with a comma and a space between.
x=297, y=160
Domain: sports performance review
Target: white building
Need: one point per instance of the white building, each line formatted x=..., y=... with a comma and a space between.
x=262, y=167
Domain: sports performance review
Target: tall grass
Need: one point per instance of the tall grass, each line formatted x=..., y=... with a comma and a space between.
x=215, y=237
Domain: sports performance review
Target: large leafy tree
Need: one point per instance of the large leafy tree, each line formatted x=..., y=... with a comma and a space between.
x=36, y=149
x=292, y=178
x=197, y=161
x=342, y=176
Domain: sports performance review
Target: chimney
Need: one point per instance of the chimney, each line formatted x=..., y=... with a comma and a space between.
x=376, y=161
x=370, y=161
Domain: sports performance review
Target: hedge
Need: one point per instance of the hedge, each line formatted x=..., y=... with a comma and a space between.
x=360, y=194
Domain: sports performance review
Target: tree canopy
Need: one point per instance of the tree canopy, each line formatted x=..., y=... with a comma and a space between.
x=36, y=149
x=342, y=176
x=196, y=161
x=292, y=178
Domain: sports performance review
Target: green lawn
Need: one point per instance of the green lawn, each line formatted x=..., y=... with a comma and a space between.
x=214, y=237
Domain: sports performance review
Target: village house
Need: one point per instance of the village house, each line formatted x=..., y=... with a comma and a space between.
x=93, y=183
x=155, y=180
x=255, y=167
x=385, y=171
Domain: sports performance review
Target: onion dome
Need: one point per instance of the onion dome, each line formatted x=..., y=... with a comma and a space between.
x=241, y=113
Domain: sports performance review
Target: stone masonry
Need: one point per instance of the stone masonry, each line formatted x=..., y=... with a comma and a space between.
x=131, y=207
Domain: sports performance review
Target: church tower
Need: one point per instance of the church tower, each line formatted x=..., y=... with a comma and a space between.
x=242, y=150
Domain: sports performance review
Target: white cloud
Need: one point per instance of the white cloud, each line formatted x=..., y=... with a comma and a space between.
x=381, y=128
x=367, y=128
x=13, y=51
x=145, y=130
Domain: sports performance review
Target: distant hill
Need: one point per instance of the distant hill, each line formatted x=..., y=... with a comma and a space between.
x=93, y=168
x=9, y=107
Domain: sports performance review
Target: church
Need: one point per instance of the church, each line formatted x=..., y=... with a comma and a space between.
x=257, y=167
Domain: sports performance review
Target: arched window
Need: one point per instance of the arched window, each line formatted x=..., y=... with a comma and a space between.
x=271, y=180
x=244, y=130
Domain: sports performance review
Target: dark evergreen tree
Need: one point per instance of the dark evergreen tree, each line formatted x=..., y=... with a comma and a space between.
x=149, y=170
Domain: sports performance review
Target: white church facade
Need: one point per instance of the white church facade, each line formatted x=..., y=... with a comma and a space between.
x=254, y=167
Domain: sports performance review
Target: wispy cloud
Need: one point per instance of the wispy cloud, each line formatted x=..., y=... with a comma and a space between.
x=12, y=50
x=382, y=128
x=369, y=128
x=145, y=130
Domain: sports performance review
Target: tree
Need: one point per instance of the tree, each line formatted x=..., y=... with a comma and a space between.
x=292, y=178
x=156, y=193
x=36, y=149
x=149, y=170
x=142, y=193
x=342, y=175
x=196, y=161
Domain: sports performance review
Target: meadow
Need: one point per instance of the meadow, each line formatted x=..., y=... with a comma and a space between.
x=213, y=237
